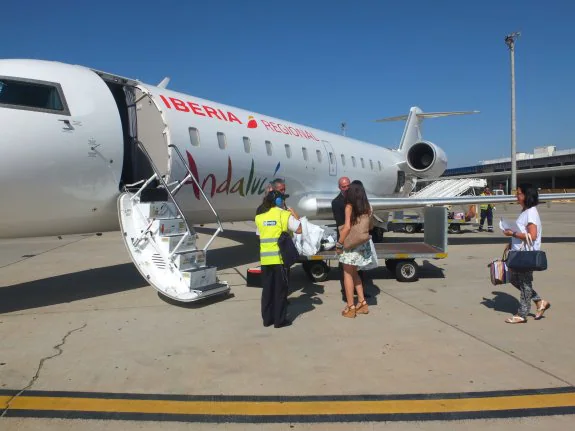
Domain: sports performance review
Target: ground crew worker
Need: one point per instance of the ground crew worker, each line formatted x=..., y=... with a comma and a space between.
x=486, y=212
x=270, y=224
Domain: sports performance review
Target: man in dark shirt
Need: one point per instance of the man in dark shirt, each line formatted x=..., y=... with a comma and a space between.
x=338, y=210
x=279, y=185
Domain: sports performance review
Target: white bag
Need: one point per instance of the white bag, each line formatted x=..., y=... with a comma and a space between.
x=374, y=263
x=309, y=242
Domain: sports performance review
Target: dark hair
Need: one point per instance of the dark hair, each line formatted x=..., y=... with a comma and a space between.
x=531, y=195
x=357, y=198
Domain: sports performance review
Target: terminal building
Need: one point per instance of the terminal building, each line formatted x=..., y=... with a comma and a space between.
x=547, y=168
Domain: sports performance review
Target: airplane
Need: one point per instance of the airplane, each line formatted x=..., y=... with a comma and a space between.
x=87, y=151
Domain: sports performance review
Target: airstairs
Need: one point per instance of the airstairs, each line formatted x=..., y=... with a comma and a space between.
x=160, y=241
x=450, y=188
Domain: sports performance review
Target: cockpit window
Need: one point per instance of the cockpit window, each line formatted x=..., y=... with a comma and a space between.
x=32, y=95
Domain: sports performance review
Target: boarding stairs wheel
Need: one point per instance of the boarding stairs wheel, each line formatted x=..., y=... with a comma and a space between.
x=161, y=243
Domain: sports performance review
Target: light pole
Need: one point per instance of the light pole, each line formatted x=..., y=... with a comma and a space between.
x=510, y=42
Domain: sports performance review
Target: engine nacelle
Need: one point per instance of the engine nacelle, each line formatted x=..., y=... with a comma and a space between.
x=425, y=160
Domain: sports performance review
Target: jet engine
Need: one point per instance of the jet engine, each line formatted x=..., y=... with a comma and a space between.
x=425, y=160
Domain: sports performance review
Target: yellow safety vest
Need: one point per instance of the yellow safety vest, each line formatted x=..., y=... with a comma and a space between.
x=484, y=206
x=270, y=226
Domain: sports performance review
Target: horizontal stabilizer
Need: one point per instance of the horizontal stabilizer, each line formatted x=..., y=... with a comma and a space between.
x=426, y=115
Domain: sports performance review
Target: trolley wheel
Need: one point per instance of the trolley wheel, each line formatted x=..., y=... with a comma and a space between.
x=316, y=270
x=410, y=228
x=406, y=271
x=391, y=264
x=454, y=228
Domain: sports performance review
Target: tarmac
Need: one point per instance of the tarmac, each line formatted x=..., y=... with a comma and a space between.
x=87, y=343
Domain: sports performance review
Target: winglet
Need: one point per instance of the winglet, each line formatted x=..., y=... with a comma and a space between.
x=164, y=82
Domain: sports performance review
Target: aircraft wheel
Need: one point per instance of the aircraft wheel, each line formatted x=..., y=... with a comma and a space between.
x=316, y=271
x=406, y=271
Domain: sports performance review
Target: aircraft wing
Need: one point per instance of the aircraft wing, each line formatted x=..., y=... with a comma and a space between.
x=322, y=204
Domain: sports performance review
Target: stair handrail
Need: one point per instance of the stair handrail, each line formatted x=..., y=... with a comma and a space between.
x=192, y=176
x=160, y=178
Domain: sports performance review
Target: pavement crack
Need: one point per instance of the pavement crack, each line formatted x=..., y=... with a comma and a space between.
x=57, y=347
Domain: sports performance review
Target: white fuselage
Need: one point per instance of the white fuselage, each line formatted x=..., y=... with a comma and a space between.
x=63, y=167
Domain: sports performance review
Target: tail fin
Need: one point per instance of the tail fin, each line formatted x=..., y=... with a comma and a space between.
x=412, y=131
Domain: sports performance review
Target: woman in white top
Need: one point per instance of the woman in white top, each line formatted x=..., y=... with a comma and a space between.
x=528, y=223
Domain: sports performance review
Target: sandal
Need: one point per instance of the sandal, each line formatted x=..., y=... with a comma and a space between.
x=544, y=306
x=516, y=319
x=361, y=307
x=349, y=311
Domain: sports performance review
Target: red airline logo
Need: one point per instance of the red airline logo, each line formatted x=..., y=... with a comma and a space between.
x=252, y=123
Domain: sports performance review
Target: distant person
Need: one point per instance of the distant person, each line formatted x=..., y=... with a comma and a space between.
x=528, y=222
x=486, y=212
x=357, y=216
x=270, y=224
x=338, y=211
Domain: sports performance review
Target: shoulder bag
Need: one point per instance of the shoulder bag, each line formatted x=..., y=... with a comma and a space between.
x=526, y=260
x=359, y=233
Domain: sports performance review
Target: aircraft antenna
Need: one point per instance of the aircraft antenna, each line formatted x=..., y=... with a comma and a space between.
x=343, y=127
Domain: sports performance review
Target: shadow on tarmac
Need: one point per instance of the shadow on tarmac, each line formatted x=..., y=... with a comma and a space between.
x=501, y=302
x=66, y=288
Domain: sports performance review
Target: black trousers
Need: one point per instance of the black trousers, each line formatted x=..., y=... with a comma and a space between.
x=274, y=294
x=488, y=213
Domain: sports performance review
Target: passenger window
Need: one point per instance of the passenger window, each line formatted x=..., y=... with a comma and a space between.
x=32, y=95
x=371, y=164
x=318, y=152
x=379, y=163
x=247, y=144
x=194, y=136
x=288, y=151
x=342, y=160
x=353, y=161
x=222, y=140
x=331, y=159
x=304, y=152
x=362, y=163
x=269, y=148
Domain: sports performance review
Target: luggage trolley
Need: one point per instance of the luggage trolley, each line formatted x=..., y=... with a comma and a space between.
x=399, y=257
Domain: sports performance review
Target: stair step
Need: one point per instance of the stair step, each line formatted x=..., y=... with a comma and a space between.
x=169, y=227
x=168, y=244
x=204, y=292
x=198, y=279
x=159, y=210
x=189, y=261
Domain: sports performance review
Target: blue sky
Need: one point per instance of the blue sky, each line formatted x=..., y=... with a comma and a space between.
x=319, y=63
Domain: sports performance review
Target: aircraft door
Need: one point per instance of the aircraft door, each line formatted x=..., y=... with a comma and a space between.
x=331, y=158
x=151, y=130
